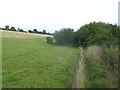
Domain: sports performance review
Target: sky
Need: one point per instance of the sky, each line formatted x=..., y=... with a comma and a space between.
x=53, y=15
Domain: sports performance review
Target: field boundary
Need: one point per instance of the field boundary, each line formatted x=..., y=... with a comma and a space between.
x=16, y=34
x=77, y=77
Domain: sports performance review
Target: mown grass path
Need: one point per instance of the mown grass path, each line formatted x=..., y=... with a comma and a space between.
x=32, y=63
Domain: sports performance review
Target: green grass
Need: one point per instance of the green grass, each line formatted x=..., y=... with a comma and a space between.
x=32, y=63
x=95, y=74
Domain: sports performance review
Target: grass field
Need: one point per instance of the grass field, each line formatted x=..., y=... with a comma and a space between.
x=32, y=63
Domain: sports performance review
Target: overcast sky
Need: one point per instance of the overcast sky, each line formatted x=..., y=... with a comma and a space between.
x=56, y=14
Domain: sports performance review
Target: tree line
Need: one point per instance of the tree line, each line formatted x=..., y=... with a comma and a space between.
x=94, y=33
x=7, y=27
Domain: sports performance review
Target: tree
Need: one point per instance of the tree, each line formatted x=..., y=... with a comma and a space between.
x=64, y=36
x=44, y=31
x=18, y=29
x=40, y=32
x=21, y=30
x=35, y=31
x=30, y=31
x=79, y=38
x=96, y=33
x=7, y=27
x=12, y=28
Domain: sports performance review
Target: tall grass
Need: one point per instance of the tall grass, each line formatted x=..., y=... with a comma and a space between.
x=101, y=67
x=94, y=53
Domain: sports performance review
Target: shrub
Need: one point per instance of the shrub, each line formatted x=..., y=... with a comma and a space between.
x=64, y=36
x=50, y=40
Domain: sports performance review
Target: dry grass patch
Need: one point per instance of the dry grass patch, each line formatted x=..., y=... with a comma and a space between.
x=94, y=53
x=15, y=34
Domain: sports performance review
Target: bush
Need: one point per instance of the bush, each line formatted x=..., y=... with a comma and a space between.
x=64, y=36
x=97, y=34
x=111, y=57
x=49, y=40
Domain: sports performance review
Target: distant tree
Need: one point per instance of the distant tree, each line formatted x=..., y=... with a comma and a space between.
x=30, y=31
x=2, y=28
x=35, y=31
x=7, y=27
x=12, y=28
x=44, y=31
x=18, y=29
x=48, y=33
x=40, y=32
x=21, y=30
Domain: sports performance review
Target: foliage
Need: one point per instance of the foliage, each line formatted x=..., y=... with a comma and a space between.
x=21, y=30
x=110, y=57
x=50, y=40
x=79, y=38
x=64, y=36
x=30, y=31
x=35, y=31
x=44, y=31
x=39, y=32
x=94, y=33
x=6, y=27
x=12, y=29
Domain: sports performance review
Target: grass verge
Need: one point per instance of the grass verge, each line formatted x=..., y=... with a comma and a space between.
x=101, y=67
